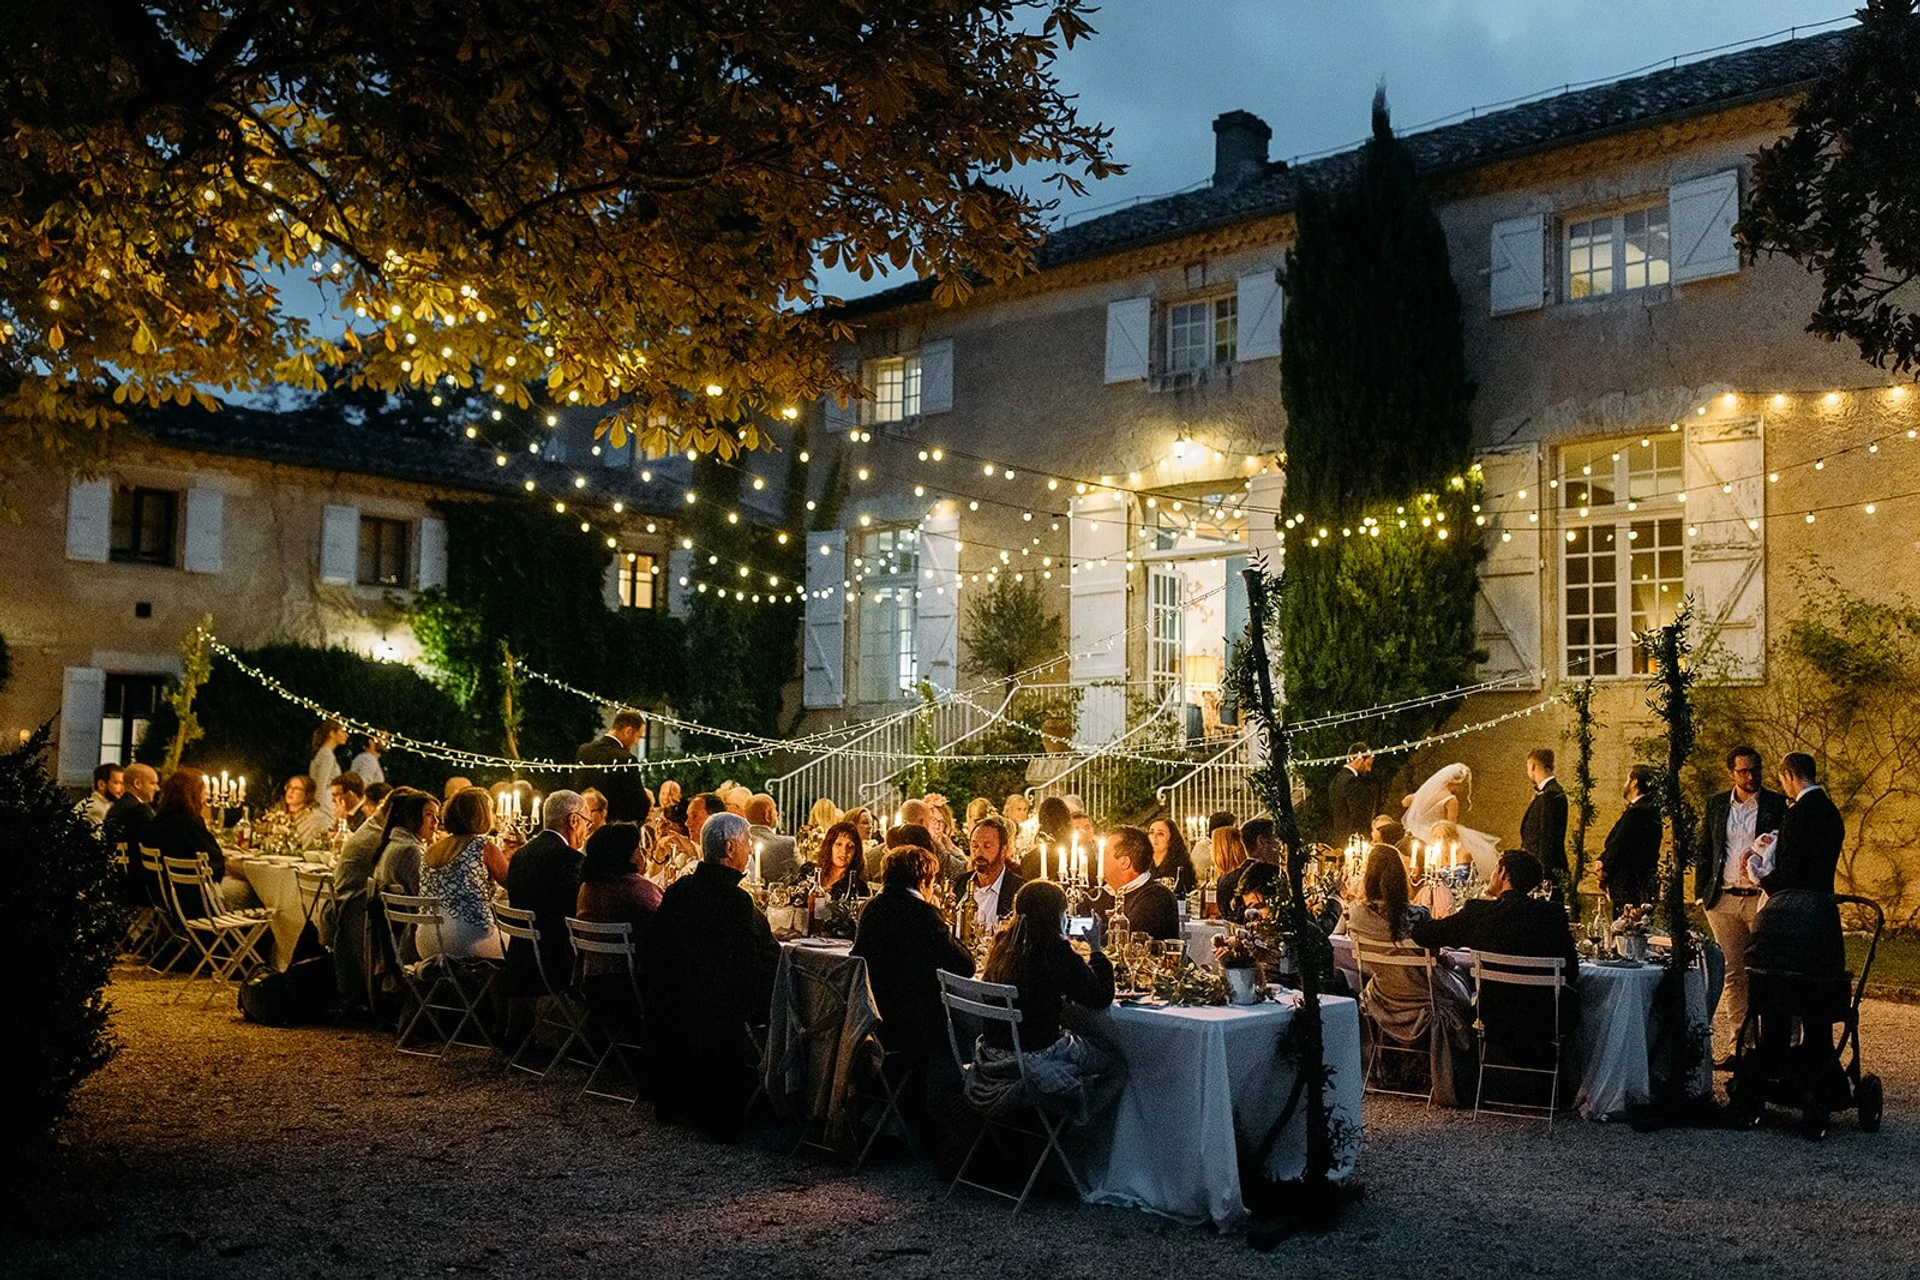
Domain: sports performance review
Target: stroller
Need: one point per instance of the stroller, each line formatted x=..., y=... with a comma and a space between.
x=1798, y=990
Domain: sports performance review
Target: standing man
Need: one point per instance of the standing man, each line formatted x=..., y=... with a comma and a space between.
x=1631, y=859
x=1811, y=834
x=1721, y=886
x=1350, y=794
x=626, y=794
x=1543, y=829
x=983, y=894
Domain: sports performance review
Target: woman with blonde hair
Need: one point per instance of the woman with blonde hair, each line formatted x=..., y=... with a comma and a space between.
x=454, y=873
x=1229, y=850
x=978, y=808
x=823, y=814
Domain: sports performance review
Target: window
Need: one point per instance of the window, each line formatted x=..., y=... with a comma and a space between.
x=144, y=521
x=1617, y=252
x=126, y=710
x=1164, y=631
x=887, y=569
x=383, y=553
x=1624, y=559
x=637, y=572
x=1200, y=334
x=896, y=388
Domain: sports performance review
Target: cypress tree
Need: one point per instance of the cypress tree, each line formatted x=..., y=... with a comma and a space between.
x=1381, y=541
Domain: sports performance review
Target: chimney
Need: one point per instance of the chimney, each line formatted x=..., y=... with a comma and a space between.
x=1240, y=141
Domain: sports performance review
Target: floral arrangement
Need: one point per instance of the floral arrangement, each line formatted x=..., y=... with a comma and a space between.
x=1191, y=985
x=1634, y=921
x=274, y=836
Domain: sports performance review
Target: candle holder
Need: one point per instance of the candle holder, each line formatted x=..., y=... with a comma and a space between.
x=224, y=794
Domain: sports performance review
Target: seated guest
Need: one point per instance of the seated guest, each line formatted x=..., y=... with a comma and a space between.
x=978, y=808
x=842, y=863
x=983, y=895
x=941, y=826
x=1396, y=997
x=412, y=818
x=1263, y=850
x=455, y=785
x=377, y=793
x=1053, y=834
x=595, y=805
x=669, y=794
x=674, y=850
x=1147, y=903
x=1033, y=955
x=306, y=821
x=544, y=877
x=710, y=960
x=345, y=927
x=453, y=872
x=613, y=890
x=823, y=815
x=179, y=830
x=1172, y=862
x=109, y=784
x=128, y=817
x=1509, y=921
x=699, y=809
x=777, y=858
x=1229, y=853
x=347, y=795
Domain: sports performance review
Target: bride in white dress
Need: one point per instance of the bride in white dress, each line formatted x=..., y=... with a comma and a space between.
x=1441, y=799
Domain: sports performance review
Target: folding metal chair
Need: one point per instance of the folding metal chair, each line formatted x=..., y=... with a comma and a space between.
x=315, y=883
x=555, y=1010
x=171, y=942
x=1527, y=973
x=595, y=937
x=434, y=984
x=225, y=939
x=1367, y=957
x=887, y=1098
x=142, y=920
x=992, y=1002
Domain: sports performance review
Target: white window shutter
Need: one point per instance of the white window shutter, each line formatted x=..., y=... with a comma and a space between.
x=89, y=520
x=206, y=530
x=1128, y=322
x=1266, y=498
x=1517, y=278
x=1506, y=609
x=432, y=571
x=340, y=544
x=825, y=657
x=1726, y=548
x=83, y=700
x=936, y=640
x=679, y=582
x=1097, y=612
x=1259, y=311
x=837, y=418
x=936, y=375
x=1700, y=217
x=610, y=581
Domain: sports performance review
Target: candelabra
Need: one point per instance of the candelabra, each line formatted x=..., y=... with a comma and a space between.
x=225, y=793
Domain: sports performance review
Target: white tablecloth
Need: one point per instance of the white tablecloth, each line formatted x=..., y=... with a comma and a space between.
x=1199, y=935
x=1201, y=1082
x=1615, y=1041
x=274, y=884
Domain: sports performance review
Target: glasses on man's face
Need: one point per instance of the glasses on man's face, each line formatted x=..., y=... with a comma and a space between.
x=1740, y=772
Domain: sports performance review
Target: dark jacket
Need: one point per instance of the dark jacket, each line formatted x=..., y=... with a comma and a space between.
x=1543, y=828
x=126, y=823
x=962, y=887
x=905, y=943
x=1152, y=910
x=1709, y=869
x=179, y=834
x=710, y=960
x=1059, y=976
x=626, y=794
x=543, y=877
x=1350, y=799
x=1631, y=859
x=1514, y=924
x=1811, y=836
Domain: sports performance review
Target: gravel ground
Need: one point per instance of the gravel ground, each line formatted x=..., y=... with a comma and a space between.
x=211, y=1147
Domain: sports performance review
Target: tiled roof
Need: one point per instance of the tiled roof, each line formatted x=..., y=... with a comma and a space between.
x=1695, y=88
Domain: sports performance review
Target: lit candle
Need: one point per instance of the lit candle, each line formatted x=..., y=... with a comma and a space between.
x=1043, y=862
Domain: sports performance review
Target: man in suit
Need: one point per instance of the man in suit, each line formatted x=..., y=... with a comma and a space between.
x=1147, y=903
x=1263, y=850
x=1543, y=828
x=128, y=818
x=544, y=877
x=1511, y=921
x=983, y=894
x=777, y=859
x=710, y=960
x=626, y=794
x=1350, y=795
x=1812, y=833
x=1631, y=859
x=1734, y=819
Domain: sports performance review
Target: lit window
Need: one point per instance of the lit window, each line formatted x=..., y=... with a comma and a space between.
x=635, y=570
x=889, y=565
x=383, y=553
x=1165, y=639
x=1200, y=334
x=896, y=388
x=1617, y=252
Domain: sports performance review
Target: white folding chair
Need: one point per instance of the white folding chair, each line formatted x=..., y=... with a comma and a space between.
x=435, y=984
x=143, y=922
x=171, y=942
x=315, y=883
x=1368, y=959
x=601, y=938
x=992, y=1002
x=554, y=1010
x=224, y=939
x=1527, y=973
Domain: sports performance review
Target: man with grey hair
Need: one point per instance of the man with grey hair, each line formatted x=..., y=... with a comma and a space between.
x=710, y=960
x=544, y=878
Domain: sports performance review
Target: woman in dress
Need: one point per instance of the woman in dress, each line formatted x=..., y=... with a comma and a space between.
x=325, y=766
x=453, y=872
x=1396, y=997
x=842, y=864
x=1443, y=798
x=1171, y=860
x=179, y=830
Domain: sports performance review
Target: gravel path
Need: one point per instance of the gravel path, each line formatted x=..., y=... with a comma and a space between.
x=211, y=1147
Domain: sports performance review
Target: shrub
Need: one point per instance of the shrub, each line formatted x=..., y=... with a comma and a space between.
x=62, y=931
